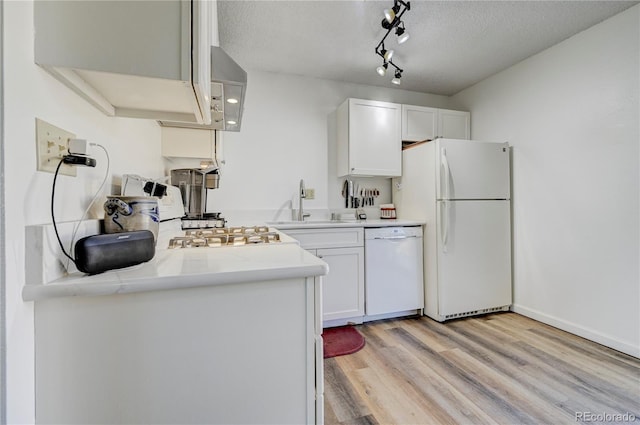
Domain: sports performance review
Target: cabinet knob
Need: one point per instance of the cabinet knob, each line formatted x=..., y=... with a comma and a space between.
x=320, y=256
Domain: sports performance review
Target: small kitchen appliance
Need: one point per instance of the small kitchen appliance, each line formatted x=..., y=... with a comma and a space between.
x=194, y=184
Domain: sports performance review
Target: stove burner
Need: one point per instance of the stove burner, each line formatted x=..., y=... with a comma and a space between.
x=224, y=236
x=207, y=221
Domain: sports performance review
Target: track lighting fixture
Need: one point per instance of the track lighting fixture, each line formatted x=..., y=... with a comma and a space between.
x=392, y=19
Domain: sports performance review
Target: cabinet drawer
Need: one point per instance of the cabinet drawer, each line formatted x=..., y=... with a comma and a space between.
x=328, y=238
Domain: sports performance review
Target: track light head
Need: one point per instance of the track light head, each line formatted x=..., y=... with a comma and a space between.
x=387, y=55
x=397, y=77
x=390, y=14
x=401, y=33
x=382, y=69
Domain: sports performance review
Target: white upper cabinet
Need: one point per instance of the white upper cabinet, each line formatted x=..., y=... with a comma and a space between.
x=369, y=138
x=423, y=123
x=419, y=123
x=140, y=59
x=454, y=124
x=188, y=143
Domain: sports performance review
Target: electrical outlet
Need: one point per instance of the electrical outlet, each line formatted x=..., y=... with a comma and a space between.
x=311, y=193
x=52, y=143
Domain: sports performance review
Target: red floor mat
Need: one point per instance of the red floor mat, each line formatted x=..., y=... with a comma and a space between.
x=342, y=340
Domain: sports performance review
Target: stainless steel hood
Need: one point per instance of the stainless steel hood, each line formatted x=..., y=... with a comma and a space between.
x=228, y=88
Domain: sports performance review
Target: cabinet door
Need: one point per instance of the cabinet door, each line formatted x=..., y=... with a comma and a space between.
x=454, y=124
x=138, y=59
x=375, y=146
x=343, y=287
x=188, y=143
x=419, y=123
x=201, y=58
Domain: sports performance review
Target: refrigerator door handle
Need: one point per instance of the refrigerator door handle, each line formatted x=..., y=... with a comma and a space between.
x=447, y=172
x=444, y=224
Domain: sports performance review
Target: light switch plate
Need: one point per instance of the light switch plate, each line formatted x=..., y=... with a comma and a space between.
x=52, y=143
x=310, y=193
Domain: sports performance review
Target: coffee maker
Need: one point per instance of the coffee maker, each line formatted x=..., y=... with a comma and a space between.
x=194, y=184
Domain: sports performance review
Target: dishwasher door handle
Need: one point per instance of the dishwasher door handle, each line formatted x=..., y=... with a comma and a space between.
x=394, y=237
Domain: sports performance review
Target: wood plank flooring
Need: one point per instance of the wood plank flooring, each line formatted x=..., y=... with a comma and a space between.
x=497, y=369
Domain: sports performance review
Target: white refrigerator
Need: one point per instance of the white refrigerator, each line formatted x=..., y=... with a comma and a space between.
x=461, y=189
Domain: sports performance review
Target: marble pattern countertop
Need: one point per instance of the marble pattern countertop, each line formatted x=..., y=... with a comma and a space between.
x=191, y=267
x=182, y=268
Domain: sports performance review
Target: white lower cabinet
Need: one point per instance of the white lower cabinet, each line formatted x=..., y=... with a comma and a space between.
x=343, y=288
x=243, y=353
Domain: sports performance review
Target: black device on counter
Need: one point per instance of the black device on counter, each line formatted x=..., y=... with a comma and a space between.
x=99, y=253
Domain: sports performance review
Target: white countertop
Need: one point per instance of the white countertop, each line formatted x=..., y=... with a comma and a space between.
x=287, y=225
x=191, y=267
x=182, y=268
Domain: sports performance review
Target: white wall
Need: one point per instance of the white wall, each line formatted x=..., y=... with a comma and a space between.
x=288, y=134
x=571, y=114
x=134, y=146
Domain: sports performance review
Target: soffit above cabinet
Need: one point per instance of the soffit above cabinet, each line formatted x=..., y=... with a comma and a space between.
x=130, y=58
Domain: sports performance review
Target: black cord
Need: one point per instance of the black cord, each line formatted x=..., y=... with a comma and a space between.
x=53, y=218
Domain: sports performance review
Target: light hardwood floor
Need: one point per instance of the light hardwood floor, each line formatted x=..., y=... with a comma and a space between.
x=496, y=369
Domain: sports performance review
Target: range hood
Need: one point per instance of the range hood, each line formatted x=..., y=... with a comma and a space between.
x=228, y=88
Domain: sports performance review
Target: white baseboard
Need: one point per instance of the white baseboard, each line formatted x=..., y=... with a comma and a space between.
x=393, y=315
x=578, y=330
x=342, y=322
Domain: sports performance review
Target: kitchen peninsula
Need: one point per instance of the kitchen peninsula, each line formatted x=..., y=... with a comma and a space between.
x=227, y=335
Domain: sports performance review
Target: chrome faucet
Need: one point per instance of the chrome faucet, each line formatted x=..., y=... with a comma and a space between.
x=303, y=194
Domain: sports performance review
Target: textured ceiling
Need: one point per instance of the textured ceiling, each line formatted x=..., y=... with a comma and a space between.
x=453, y=44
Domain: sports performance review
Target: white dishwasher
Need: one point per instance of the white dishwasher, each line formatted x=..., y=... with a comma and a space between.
x=393, y=270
